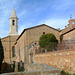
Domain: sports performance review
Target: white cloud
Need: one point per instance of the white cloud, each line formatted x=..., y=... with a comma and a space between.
x=55, y=23
x=62, y=4
x=29, y=11
x=24, y=26
x=21, y=29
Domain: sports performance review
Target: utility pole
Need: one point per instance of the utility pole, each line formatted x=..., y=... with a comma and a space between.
x=70, y=16
x=24, y=51
x=10, y=47
x=19, y=54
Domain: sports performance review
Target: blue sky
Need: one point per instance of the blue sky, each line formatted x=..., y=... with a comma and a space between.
x=54, y=13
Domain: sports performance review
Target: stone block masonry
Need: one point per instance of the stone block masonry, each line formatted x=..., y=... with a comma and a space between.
x=64, y=59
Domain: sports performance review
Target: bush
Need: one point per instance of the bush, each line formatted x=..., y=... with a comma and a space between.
x=66, y=73
x=62, y=71
x=48, y=42
x=21, y=69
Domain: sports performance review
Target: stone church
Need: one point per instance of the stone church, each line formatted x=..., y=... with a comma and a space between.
x=21, y=47
x=9, y=40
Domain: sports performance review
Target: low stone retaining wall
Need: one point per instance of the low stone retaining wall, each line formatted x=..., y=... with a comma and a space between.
x=64, y=59
x=38, y=72
x=41, y=67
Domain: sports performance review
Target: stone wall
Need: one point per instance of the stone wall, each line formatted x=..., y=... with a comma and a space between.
x=64, y=59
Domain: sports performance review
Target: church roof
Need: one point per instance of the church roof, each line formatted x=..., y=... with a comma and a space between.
x=13, y=13
x=68, y=31
x=5, y=37
x=36, y=27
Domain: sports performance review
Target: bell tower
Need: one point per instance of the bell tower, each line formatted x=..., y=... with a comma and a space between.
x=13, y=25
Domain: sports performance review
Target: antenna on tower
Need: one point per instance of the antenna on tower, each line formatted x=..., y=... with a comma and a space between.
x=70, y=16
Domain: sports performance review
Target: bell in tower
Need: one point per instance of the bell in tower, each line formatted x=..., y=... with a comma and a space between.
x=13, y=25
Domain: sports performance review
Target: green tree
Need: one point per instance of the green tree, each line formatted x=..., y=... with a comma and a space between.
x=48, y=42
x=1, y=54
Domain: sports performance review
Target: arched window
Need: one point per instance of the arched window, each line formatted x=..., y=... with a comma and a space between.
x=13, y=51
x=13, y=22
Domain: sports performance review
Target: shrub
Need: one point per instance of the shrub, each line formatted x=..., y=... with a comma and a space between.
x=62, y=71
x=1, y=54
x=48, y=42
x=21, y=69
x=66, y=73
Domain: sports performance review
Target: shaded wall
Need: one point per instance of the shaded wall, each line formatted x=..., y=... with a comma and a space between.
x=45, y=72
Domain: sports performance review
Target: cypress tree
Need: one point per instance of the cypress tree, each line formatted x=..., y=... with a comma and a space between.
x=1, y=54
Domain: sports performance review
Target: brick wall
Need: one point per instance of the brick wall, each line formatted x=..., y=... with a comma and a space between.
x=64, y=59
x=65, y=46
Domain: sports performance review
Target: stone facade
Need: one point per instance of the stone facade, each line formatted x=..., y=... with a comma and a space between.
x=69, y=36
x=8, y=43
x=29, y=36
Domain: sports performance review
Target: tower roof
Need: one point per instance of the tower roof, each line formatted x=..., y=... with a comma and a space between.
x=13, y=13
